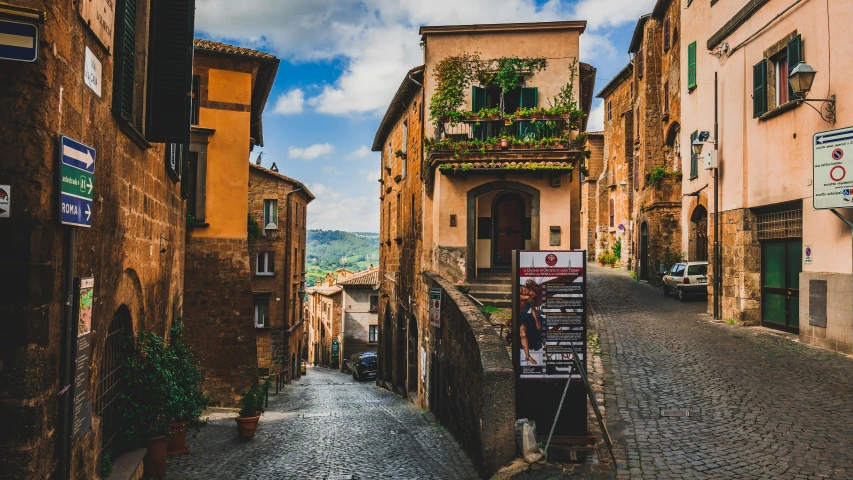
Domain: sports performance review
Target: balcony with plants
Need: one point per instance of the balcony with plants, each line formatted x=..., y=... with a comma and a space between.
x=505, y=129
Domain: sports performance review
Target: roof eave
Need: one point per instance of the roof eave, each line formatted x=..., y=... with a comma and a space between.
x=637, y=38
x=404, y=94
x=620, y=77
x=502, y=27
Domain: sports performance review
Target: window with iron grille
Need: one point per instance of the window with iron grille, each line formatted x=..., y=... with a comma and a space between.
x=373, y=334
x=111, y=386
x=787, y=224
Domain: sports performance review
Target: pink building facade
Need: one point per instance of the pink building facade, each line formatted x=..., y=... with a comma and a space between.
x=767, y=221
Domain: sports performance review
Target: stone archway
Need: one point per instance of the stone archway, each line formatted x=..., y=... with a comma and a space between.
x=471, y=240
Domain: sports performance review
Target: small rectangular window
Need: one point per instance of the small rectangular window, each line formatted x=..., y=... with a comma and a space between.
x=374, y=303
x=667, y=42
x=270, y=215
x=609, y=110
x=691, y=66
x=265, y=264
x=640, y=64
x=666, y=97
x=262, y=311
x=782, y=80
x=373, y=334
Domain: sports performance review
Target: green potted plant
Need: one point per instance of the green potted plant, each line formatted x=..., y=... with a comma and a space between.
x=149, y=380
x=611, y=260
x=251, y=407
x=602, y=259
x=187, y=400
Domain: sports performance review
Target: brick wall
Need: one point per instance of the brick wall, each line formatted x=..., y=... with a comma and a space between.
x=137, y=211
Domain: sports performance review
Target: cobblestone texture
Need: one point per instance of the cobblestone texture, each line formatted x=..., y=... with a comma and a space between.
x=327, y=424
x=765, y=406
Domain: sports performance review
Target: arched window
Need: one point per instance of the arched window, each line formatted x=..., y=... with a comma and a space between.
x=117, y=347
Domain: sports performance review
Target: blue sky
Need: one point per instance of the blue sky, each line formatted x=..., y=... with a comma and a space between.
x=342, y=61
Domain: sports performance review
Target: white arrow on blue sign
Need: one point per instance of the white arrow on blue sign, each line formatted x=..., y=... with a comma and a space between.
x=19, y=41
x=834, y=136
x=77, y=172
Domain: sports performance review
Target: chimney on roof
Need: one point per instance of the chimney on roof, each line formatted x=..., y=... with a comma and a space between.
x=274, y=168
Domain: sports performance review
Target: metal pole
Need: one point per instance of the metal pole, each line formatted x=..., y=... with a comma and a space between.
x=717, y=266
x=67, y=365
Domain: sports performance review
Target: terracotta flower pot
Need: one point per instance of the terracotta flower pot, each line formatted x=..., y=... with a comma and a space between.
x=600, y=264
x=612, y=265
x=177, y=439
x=155, y=458
x=504, y=143
x=247, y=425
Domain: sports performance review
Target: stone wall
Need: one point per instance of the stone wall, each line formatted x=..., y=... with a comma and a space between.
x=741, y=267
x=837, y=334
x=218, y=304
x=475, y=391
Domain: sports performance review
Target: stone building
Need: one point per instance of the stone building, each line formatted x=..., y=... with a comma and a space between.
x=360, y=310
x=135, y=247
x=231, y=85
x=278, y=207
x=455, y=204
x=589, y=195
x=615, y=184
x=324, y=322
x=767, y=220
x=656, y=169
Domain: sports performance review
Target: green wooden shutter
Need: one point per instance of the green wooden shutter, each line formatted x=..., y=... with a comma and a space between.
x=478, y=102
x=124, y=72
x=529, y=99
x=795, y=55
x=691, y=65
x=694, y=159
x=170, y=67
x=759, y=89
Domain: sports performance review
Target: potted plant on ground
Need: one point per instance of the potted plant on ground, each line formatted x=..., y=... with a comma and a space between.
x=602, y=259
x=187, y=400
x=149, y=382
x=251, y=407
x=611, y=260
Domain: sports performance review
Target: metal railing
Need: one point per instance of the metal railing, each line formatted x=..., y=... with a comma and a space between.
x=520, y=129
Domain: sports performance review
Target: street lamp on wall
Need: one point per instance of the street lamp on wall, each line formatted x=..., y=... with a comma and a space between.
x=801, y=79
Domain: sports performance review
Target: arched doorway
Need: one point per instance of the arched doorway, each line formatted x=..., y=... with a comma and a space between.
x=400, y=352
x=118, y=346
x=412, y=381
x=643, y=260
x=698, y=241
x=508, y=231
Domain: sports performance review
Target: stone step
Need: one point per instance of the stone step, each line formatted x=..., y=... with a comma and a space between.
x=489, y=287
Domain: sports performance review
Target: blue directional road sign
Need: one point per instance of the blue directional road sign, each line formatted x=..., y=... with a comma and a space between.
x=76, y=182
x=19, y=41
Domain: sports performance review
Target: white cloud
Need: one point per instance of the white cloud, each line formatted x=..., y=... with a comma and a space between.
x=377, y=40
x=290, y=102
x=310, y=153
x=332, y=210
x=595, y=122
x=333, y=170
x=361, y=152
x=372, y=176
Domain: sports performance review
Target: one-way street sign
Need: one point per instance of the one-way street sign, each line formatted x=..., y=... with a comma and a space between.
x=76, y=182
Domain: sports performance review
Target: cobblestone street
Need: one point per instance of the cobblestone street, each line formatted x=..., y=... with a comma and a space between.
x=327, y=424
x=761, y=405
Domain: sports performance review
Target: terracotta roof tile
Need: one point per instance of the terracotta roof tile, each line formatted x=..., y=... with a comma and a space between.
x=212, y=46
x=367, y=277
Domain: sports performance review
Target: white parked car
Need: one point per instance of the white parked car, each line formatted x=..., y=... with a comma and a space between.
x=688, y=278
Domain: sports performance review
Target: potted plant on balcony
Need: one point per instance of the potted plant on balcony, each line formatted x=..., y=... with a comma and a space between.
x=149, y=381
x=186, y=401
x=251, y=407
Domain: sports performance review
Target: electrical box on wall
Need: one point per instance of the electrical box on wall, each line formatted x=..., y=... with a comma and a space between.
x=555, y=236
x=710, y=160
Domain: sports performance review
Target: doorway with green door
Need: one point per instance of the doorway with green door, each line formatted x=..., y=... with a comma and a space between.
x=781, y=265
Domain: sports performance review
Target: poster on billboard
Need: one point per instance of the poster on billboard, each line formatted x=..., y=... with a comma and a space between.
x=551, y=313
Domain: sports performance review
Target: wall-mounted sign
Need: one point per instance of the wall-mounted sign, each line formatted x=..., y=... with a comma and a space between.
x=76, y=182
x=335, y=348
x=85, y=294
x=99, y=15
x=833, y=169
x=19, y=41
x=92, y=72
x=435, y=307
x=5, y=200
x=807, y=255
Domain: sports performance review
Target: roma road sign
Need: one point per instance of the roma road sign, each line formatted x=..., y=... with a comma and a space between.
x=833, y=169
x=19, y=41
x=76, y=182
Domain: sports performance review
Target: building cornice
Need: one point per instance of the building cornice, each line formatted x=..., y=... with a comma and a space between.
x=503, y=27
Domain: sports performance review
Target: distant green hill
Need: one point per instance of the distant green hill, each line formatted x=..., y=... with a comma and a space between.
x=328, y=250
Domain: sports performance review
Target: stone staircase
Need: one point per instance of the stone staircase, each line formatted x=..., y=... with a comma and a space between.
x=492, y=287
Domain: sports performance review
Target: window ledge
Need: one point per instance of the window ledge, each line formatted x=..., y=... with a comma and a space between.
x=785, y=107
x=265, y=274
x=259, y=327
x=665, y=117
x=133, y=133
x=201, y=225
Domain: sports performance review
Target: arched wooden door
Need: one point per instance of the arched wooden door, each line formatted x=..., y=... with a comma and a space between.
x=508, y=220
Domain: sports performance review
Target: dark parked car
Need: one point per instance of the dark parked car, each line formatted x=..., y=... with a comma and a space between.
x=365, y=367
